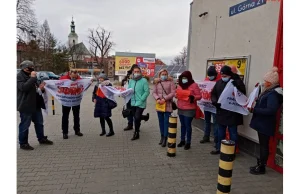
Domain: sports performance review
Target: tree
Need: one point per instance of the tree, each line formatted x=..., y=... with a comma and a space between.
x=26, y=20
x=180, y=59
x=100, y=39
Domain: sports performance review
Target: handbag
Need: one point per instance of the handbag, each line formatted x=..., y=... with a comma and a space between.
x=126, y=112
x=174, y=105
x=161, y=107
x=111, y=104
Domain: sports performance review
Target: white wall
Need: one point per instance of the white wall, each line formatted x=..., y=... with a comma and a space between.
x=249, y=33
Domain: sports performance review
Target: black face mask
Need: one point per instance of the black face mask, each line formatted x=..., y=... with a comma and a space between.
x=30, y=69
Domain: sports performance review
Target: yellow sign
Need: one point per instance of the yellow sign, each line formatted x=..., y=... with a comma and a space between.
x=123, y=64
x=240, y=64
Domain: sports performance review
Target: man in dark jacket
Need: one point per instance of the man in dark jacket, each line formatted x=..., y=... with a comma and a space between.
x=72, y=75
x=226, y=118
x=29, y=104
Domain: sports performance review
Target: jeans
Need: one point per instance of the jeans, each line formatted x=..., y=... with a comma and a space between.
x=109, y=122
x=65, y=118
x=208, y=124
x=137, y=113
x=26, y=118
x=163, y=118
x=222, y=134
x=186, y=128
x=264, y=147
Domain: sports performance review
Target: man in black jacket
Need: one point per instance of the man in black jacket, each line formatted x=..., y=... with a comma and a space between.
x=29, y=104
x=225, y=118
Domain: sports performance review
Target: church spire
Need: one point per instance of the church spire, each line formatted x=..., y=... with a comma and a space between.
x=72, y=26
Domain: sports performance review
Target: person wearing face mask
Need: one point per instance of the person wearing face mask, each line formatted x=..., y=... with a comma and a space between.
x=225, y=118
x=187, y=93
x=141, y=91
x=29, y=104
x=264, y=117
x=72, y=75
x=163, y=93
x=212, y=76
x=102, y=110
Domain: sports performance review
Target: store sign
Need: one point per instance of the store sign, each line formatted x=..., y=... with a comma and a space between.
x=245, y=6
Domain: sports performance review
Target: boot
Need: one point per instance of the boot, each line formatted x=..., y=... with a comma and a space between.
x=261, y=169
x=257, y=164
x=26, y=147
x=78, y=133
x=187, y=146
x=161, y=140
x=111, y=133
x=129, y=127
x=205, y=139
x=215, y=152
x=164, y=143
x=182, y=143
x=103, y=132
x=45, y=141
x=136, y=135
x=146, y=117
x=65, y=136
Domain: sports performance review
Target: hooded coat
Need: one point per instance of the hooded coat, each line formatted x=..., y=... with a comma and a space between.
x=264, y=117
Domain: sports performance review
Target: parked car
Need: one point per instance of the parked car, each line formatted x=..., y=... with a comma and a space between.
x=51, y=75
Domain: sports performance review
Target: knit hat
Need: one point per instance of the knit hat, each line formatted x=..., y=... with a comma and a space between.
x=26, y=64
x=272, y=76
x=211, y=71
x=226, y=70
x=102, y=75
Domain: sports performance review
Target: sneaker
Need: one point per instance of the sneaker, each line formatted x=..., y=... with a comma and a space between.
x=78, y=134
x=215, y=152
x=182, y=143
x=65, y=136
x=26, y=147
x=45, y=141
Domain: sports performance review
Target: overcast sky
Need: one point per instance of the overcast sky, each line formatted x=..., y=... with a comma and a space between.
x=151, y=26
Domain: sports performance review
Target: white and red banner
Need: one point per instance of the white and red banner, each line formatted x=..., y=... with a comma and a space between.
x=67, y=92
x=205, y=103
x=110, y=92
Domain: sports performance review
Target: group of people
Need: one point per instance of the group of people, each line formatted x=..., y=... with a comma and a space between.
x=165, y=93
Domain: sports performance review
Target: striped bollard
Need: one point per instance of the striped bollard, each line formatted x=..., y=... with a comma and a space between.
x=227, y=157
x=53, y=107
x=172, y=136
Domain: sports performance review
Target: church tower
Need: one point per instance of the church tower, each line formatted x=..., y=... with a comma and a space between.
x=73, y=37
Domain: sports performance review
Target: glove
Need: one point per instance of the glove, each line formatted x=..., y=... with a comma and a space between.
x=234, y=83
x=191, y=98
x=217, y=105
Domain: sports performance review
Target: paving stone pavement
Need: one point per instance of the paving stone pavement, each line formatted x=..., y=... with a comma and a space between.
x=117, y=165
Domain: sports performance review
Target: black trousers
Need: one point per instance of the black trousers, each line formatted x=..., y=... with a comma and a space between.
x=65, y=118
x=109, y=122
x=137, y=113
x=264, y=147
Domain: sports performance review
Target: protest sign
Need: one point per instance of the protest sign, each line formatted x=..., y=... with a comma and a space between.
x=110, y=92
x=205, y=103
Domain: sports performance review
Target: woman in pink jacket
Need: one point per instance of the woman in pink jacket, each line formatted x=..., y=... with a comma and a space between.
x=187, y=93
x=163, y=93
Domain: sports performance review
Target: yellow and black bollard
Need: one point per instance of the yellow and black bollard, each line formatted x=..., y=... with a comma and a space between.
x=172, y=137
x=53, y=107
x=227, y=157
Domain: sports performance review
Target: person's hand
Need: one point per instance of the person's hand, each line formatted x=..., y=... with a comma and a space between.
x=191, y=98
x=162, y=101
x=33, y=74
x=158, y=101
x=95, y=101
x=42, y=86
x=250, y=110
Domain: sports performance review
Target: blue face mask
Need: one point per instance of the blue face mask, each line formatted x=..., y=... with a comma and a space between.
x=225, y=79
x=163, y=77
x=211, y=77
x=184, y=81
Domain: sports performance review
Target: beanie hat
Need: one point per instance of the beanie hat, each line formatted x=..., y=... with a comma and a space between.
x=102, y=75
x=272, y=76
x=26, y=64
x=226, y=70
x=211, y=71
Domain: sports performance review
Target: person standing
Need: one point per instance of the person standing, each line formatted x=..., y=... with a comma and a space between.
x=141, y=91
x=264, y=117
x=225, y=118
x=163, y=93
x=29, y=104
x=102, y=109
x=72, y=75
x=187, y=93
x=212, y=76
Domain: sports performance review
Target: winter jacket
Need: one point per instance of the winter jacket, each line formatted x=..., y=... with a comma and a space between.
x=226, y=117
x=101, y=105
x=67, y=76
x=26, y=93
x=184, y=103
x=164, y=90
x=264, y=117
x=141, y=92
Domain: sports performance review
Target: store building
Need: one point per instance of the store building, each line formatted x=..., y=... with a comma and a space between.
x=248, y=35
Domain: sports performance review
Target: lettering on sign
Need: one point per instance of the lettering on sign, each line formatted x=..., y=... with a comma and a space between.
x=245, y=6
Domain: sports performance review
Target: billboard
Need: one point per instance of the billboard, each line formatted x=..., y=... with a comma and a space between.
x=123, y=64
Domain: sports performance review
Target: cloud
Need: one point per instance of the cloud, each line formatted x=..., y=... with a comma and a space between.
x=156, y=26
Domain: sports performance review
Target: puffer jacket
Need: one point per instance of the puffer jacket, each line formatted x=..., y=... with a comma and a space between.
x=264, y=117
x=164, y=90
x=141, y=92
x=184, y=103
x=101, y=106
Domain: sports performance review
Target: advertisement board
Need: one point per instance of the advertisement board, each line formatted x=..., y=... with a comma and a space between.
x=147, y=65
x=123, y=64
